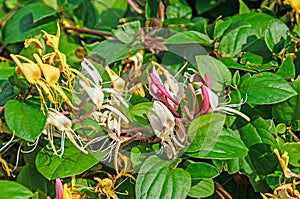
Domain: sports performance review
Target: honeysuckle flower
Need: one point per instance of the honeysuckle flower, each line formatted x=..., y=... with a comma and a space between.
x=95, y=91
x=33, y=73
x=163, y=124
x=52, y=40
x=170, y=91
x=211, y=101
x=58, y=189
x=37, y=43
x=285, y=191
x=284, y=162
x=117, y=82
x=58, y=125
x=105, y=186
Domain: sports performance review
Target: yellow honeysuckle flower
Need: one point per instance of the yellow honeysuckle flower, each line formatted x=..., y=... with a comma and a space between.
x=33, y=74
x=67, y=192
x=5, y=167
x=50, y=72
x=117, y=82
x=53, y=40
x=37, y=43
x=138, y=90
x=283, y=161
x=105, y=186
x=30, y=70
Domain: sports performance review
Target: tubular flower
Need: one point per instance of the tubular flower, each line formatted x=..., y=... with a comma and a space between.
x=284, y=162
x=33, y=73
x=95, y=91
x=105, y=186
x=164, y=126
x=170, y=91
x=59, y=125
x=37, y=43
x=211, y=101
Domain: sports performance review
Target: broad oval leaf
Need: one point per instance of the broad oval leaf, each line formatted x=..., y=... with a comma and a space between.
x=14, y=190
x=156, y=180
x=73, y=162
x=288, y=112
x=31, y=178
x=260, y=161
x=26, y=121
x=243, y=37
x=210, y=140
x=287, y=69
x=217, y=71
x=200, y=170
x=202, y=189
x=265, y=88
x=293, y=150
x=188, y=37
x=259, y=26
x=29, y=20
x=276, y=35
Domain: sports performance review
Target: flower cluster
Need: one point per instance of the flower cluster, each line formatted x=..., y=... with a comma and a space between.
x=44, y=72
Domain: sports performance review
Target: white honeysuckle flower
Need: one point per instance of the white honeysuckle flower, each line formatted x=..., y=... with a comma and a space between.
x=163, y=124
x=58, y=125
x=95, y=90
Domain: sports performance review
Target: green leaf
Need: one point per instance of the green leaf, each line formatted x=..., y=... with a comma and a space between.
x=179, y=10
x=112, y=50
x=108, y=13
x=6, y=70
x=243, y=8
x=188, y=37
x=179, y=53
x=26, y=121
x=73, y=162
x=156, y=180
x=139, y=111
x=206, y=5
x=287, y=69
x=232, y=63
x=29, y=20
x=260, y=161
x=276, y=35
x=6, y=91
x=293, y=150
x=265, y=88
x=243, y=38
x=203, y=189
x=288, y=112
x=258, y=62
x=258, y=26
x=217, y=71
x=200, y=170
x=210, y=140
x=14, y=190
x=32, y=179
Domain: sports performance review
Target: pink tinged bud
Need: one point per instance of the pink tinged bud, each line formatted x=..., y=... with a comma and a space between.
x=58, y=189
x=208, y=81
x=206, y=100
x=161, y=88
x=48, y=197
